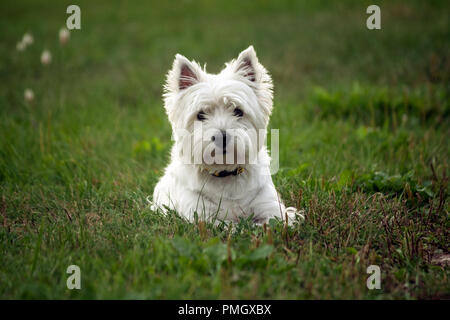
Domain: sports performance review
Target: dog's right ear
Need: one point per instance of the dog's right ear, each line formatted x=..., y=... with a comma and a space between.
x=183, y=74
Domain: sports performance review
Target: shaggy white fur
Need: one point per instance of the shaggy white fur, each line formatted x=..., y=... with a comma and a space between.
x=219, y=167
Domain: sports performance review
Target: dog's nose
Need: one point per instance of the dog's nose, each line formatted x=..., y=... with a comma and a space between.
x=220, y=139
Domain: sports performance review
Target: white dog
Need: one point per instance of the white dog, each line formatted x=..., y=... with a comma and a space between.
x=219, y=168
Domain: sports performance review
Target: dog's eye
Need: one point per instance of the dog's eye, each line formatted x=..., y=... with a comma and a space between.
x=238, y=112
x=201, y=116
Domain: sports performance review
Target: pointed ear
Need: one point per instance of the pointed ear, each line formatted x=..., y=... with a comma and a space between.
x=247, y=65
x=183, y=74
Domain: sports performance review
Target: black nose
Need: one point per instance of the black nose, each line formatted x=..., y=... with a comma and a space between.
x=220, y=139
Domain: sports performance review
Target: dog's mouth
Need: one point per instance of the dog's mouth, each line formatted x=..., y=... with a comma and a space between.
x=219, y=173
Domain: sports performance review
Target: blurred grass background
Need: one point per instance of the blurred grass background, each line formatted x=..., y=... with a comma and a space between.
x=364, y=126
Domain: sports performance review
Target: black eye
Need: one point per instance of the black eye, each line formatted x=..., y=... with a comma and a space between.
x=201, y=116
x=238, y=112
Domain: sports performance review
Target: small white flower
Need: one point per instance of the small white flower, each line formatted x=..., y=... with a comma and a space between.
x=21, y=46
x=46, y=57
x=27, y=39
x=28, y=95
x=64, y=35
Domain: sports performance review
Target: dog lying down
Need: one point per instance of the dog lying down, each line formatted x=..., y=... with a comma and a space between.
x=220, y=167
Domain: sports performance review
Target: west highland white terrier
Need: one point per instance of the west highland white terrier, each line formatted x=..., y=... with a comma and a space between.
x=219, y=168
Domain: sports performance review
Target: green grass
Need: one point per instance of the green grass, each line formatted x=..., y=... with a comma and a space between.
x=364, y=148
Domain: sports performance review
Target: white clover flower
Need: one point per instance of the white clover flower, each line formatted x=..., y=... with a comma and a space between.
x=46, y=57
x=27, y=39
x=64, y=35
x=20, y=46
x=28, y=95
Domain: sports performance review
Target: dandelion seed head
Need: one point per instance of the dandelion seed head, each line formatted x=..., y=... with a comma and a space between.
x=64, y=35
x=28, y=95
x=46, y=57
x=27, y=39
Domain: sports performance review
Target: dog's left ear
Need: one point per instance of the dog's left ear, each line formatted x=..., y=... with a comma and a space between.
x=247, y=65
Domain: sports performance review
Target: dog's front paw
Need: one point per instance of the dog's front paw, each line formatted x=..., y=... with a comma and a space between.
x=293, y=215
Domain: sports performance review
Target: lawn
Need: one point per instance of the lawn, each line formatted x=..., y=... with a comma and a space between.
x=364, y=148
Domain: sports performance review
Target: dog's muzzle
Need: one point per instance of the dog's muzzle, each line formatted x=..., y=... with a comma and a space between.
x=226, y=173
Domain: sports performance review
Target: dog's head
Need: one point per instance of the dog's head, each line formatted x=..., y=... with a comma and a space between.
x=219, y=121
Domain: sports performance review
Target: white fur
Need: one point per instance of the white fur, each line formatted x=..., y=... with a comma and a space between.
x=190, y=188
